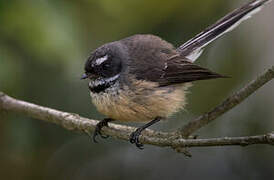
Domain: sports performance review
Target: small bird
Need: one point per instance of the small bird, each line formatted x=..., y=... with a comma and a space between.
x=143, y=78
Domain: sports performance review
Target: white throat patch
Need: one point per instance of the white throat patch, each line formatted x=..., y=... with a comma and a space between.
x=101, y=81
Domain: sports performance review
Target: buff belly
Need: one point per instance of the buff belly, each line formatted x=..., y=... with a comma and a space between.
x=141, y=103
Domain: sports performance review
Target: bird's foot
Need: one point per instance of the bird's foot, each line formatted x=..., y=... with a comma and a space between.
x=134, y=138
x=98, y=129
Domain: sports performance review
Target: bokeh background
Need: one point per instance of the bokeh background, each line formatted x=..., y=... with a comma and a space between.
x=43, y=47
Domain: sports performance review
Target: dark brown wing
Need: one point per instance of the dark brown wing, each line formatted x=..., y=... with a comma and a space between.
x=179, y=70
x=174, y=71
x=153, y=59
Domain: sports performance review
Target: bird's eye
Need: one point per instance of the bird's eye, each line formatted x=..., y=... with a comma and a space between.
x=106, y=66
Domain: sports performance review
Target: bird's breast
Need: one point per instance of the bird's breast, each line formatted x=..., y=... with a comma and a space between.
x=141, y=102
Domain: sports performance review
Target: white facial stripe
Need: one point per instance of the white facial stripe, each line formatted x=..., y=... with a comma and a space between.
x=101, y=60
x=113, y=78
x=100, y=81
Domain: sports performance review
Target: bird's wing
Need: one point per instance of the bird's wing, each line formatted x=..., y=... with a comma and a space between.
x=193, y=48
x=153, y=59
x=179, y=70
x=175, y=70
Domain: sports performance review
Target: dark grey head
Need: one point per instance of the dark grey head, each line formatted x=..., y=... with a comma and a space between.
x=104, y=66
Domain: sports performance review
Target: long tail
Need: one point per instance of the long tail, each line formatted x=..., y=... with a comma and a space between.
x=193, y=48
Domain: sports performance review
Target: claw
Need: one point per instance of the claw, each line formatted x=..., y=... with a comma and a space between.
x=98, y=128
x=94, y=136
x=134, y=139
x=104, y=136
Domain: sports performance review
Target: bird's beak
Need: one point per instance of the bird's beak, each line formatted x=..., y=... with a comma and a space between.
x=84, y=76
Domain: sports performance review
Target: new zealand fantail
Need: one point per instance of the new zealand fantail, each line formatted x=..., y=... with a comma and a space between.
x=143, y=78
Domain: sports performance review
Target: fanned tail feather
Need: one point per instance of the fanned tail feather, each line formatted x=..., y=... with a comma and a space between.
x=193, y=48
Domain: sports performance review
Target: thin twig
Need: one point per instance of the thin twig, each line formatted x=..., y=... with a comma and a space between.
x=228, y=104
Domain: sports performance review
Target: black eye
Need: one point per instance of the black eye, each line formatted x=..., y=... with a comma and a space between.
x=106, y=66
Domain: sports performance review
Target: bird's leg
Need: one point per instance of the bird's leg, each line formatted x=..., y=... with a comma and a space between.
x=134, y=137
x=98, y=128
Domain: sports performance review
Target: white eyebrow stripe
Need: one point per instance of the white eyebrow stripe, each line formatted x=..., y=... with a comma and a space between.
x=101, y=60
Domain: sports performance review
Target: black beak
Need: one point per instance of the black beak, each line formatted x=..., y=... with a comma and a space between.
x=84, y=76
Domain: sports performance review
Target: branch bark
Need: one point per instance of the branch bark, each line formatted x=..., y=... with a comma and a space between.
x=228, y=104
x=71, y=121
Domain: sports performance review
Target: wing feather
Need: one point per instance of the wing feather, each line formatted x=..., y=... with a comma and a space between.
x=181, y=71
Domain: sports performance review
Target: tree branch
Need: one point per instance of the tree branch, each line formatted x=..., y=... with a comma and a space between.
x=228, y=104
x=71, y=121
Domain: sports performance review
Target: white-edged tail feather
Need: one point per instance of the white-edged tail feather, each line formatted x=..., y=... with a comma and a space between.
x=193, y=48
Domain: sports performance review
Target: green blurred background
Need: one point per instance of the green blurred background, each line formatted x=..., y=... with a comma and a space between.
x=43, y=47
